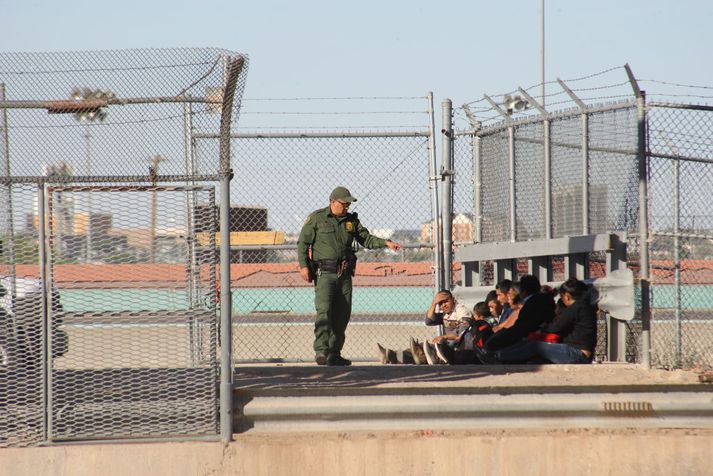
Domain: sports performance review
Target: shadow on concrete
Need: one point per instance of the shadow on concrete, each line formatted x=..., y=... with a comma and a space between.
x=368, y=379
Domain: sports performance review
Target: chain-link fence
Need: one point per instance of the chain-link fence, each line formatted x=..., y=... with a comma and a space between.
x=280, y=178
x=681, y=178
x=108, y=299
x=576, y=172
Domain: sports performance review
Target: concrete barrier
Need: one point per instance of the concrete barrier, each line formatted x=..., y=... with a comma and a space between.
x=421, y=452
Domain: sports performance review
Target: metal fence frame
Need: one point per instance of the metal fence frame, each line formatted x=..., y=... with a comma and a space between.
x=636, y=334
x=306, y=137
x=234, y=67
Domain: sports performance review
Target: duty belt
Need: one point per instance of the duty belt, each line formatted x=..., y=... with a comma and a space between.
x=339, y=266
x=328, y=265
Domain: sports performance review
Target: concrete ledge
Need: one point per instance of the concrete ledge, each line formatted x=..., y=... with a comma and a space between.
x=419, y=452
x=408, y=397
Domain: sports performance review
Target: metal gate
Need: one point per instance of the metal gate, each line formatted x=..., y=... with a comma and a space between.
x=132, y=337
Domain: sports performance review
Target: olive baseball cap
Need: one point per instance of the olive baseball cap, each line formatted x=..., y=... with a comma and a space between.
x=342, y=194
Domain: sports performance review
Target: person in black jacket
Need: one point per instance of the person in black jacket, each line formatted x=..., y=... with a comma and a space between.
x=569, y=339
x=537, y=309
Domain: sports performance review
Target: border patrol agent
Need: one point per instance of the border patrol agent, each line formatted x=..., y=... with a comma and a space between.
x=326, y=256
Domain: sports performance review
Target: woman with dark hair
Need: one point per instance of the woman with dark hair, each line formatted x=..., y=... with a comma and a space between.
x=569, y=339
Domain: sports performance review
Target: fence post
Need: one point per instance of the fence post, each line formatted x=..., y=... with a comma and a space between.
x=511, y=183
x=447, y=174
x=644, y=233
x=5, y=151
x=677, y=254
x=235, y=66
x=435, y=209
x=478, y=198
x=46, y=348
x=644, y=278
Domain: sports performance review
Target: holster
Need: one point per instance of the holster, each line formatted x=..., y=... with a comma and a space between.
x=349, y=264
x=312, y=269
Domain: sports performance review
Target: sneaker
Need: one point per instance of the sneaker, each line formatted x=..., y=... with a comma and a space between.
x=320, y=358
x=444, y=352
x=383, y=358
x=431, y=357
x=419, y=357
x=336, y=360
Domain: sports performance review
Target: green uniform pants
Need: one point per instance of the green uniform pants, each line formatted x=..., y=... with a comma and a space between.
x=333, y=302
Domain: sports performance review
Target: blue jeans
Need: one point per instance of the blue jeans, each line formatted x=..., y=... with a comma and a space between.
x=526, y=350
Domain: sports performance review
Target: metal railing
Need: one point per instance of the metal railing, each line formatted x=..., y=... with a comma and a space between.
x=108, y=303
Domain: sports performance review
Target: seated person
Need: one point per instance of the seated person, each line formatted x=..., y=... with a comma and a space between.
x=514, y=304
x=452, y=315
x=494, y=307
x=445, y=310
x=569, y=339
x=501, y=290
x=537, y=309
x=462, y=352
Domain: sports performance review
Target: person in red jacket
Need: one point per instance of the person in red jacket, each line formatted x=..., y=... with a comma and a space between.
x=569, y=339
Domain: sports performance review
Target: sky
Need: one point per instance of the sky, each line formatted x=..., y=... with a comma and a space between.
x=458, y=50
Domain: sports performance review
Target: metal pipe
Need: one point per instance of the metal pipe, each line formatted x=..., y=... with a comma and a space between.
x=319, y=135
x=46, y=348
x=435, y=209
x=695, y=236
x=546, y=125
x=511, y=183
x=447, y=174
x=191, y=278
x=673, y=105
x=684, y=158
x=478, y=188
x=107, y=178
x=542, y=49
x=677, y=256
x=585, y=174
x=477, y=199
x=10, y=211
x=72, y=105
x=644, y=232
x=234, y=69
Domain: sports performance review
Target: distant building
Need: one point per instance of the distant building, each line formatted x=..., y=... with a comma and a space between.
x=463, y=229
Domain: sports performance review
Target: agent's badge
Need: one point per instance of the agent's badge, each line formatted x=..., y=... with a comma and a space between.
x=350, y=226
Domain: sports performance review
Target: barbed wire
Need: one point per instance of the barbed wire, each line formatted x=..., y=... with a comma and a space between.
x=346, y=98
x=530, y=88
x=675, y=84
x=608, y=86
x=613, y=68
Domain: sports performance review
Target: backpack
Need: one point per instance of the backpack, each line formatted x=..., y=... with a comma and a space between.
x=475, y=336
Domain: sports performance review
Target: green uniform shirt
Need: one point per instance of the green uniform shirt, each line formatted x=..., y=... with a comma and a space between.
x=332, y=237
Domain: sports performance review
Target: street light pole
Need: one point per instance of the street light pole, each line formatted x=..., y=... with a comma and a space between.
x=542, y=50
x=85, y=117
